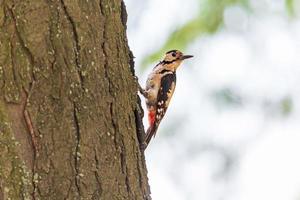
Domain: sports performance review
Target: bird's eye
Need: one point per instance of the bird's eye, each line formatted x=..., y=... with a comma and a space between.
x=174, y=54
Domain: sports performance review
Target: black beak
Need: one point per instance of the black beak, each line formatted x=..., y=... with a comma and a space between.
x=185, y=57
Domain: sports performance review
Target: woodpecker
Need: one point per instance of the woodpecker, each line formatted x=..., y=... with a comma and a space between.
x=159, y=89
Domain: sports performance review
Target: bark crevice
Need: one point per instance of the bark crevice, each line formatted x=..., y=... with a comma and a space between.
x=123, y=14
x=25, y=49
x=77, y=148
x=124, y=167
x=76, y=40
x=96, y=174
x=34, y=142
x=98, y=190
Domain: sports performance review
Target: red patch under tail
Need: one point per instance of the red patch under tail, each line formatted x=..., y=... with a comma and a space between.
x=151, y=118
x=152, y=127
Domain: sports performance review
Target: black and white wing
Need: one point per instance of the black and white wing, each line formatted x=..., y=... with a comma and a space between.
x=166, y=90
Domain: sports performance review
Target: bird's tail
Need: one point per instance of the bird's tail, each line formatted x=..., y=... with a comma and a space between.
x=152, y=127
x=149, y=134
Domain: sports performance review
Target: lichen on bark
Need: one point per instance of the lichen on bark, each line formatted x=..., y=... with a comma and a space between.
x=14, y=175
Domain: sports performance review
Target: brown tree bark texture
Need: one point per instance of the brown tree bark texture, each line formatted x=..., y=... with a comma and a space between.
x=67, y=102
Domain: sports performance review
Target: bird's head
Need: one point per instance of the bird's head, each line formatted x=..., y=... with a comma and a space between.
x=174, y=58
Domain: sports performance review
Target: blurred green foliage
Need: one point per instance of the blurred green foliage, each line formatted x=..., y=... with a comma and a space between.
x=226, y=97
x=208, y=20
x=289, y=4
x=286, y=105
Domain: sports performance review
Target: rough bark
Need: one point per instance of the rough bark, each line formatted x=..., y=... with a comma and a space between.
x=68, y=102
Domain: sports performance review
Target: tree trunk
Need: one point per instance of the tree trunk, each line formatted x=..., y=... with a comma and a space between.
x=69, y=117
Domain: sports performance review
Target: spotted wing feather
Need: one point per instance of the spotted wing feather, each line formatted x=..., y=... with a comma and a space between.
x=164, y=95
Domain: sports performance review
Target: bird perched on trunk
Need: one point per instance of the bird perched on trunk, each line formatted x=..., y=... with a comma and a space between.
x=159, y=89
